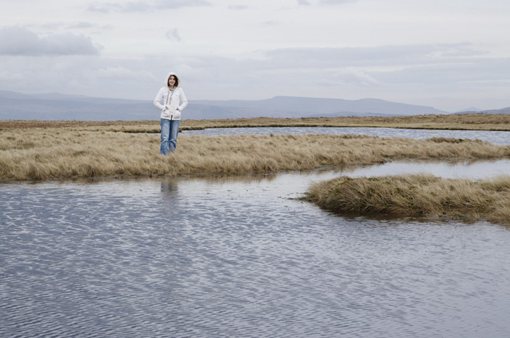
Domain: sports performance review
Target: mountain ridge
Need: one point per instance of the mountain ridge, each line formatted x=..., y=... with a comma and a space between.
x=56, y=106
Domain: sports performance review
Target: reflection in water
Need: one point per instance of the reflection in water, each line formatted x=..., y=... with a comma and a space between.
x=235, y=257
x=169, y=187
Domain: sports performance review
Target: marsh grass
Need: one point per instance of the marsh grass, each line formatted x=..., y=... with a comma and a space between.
x=416, y=197
x=84, y=150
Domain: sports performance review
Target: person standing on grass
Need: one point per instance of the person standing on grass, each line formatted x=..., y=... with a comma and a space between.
x=171, y=100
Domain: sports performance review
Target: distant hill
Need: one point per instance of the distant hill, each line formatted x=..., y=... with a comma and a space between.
x=497, y=111
x=487, y=111
x=69, y=107
x=290, y=106
x=471, y=109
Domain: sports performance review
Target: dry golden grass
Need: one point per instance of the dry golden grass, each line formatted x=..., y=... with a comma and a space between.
x=84, y=150
x=417, y=197
x=458, y=121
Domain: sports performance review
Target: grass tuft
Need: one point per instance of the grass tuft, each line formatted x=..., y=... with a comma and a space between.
x=416, y=197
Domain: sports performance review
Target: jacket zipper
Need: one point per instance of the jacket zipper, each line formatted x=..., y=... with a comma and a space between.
x=169, y=100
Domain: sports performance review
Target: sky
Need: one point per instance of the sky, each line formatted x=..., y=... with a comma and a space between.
x=449, y=54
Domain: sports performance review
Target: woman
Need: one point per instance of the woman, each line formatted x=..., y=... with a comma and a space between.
x=172, y=101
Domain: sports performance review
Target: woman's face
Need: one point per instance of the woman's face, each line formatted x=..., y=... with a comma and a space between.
x=171, y=81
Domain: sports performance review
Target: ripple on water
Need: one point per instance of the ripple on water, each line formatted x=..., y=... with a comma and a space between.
x=237, y=258
x=496, y=137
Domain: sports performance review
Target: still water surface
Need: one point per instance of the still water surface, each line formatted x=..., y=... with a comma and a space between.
x=496, y=137
x=242, y=258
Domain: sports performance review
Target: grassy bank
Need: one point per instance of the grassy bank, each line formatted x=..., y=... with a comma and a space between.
x=449, y=122
x=65, y=152
x=416, y=197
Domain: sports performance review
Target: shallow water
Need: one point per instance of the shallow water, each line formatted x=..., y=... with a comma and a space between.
x=456, y=170
x=496, y=137
x=241, y=257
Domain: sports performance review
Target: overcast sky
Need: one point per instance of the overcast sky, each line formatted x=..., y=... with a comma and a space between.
x=450, y=54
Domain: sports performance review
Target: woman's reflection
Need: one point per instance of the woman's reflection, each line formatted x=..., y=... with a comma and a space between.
x=169, y=188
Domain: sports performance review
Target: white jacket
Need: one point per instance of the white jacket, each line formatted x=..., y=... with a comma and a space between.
x=171, y=103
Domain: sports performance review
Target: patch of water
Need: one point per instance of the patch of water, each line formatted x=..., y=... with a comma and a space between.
x=462, y=170
x=240, y=257
x=496, y=137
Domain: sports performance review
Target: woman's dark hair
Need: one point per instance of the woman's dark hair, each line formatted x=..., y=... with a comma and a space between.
x=176, y=80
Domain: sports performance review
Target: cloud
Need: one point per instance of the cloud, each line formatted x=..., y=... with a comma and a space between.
x=335, y=2
x=143, y=6
x=238, y=7
x=21, y=41
x=354, y=77
x=81, y=25
x=324, y=2
x=118, y=7
x=411, y=73
x=85, y=75
x=385, y=72
x=174, y=35
x=480, y=70
x=66, y=26
x=271, y=23
x=369, y=56
x=117, y=72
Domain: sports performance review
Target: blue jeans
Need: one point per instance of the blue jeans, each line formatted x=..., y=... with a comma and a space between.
x=169, y=130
